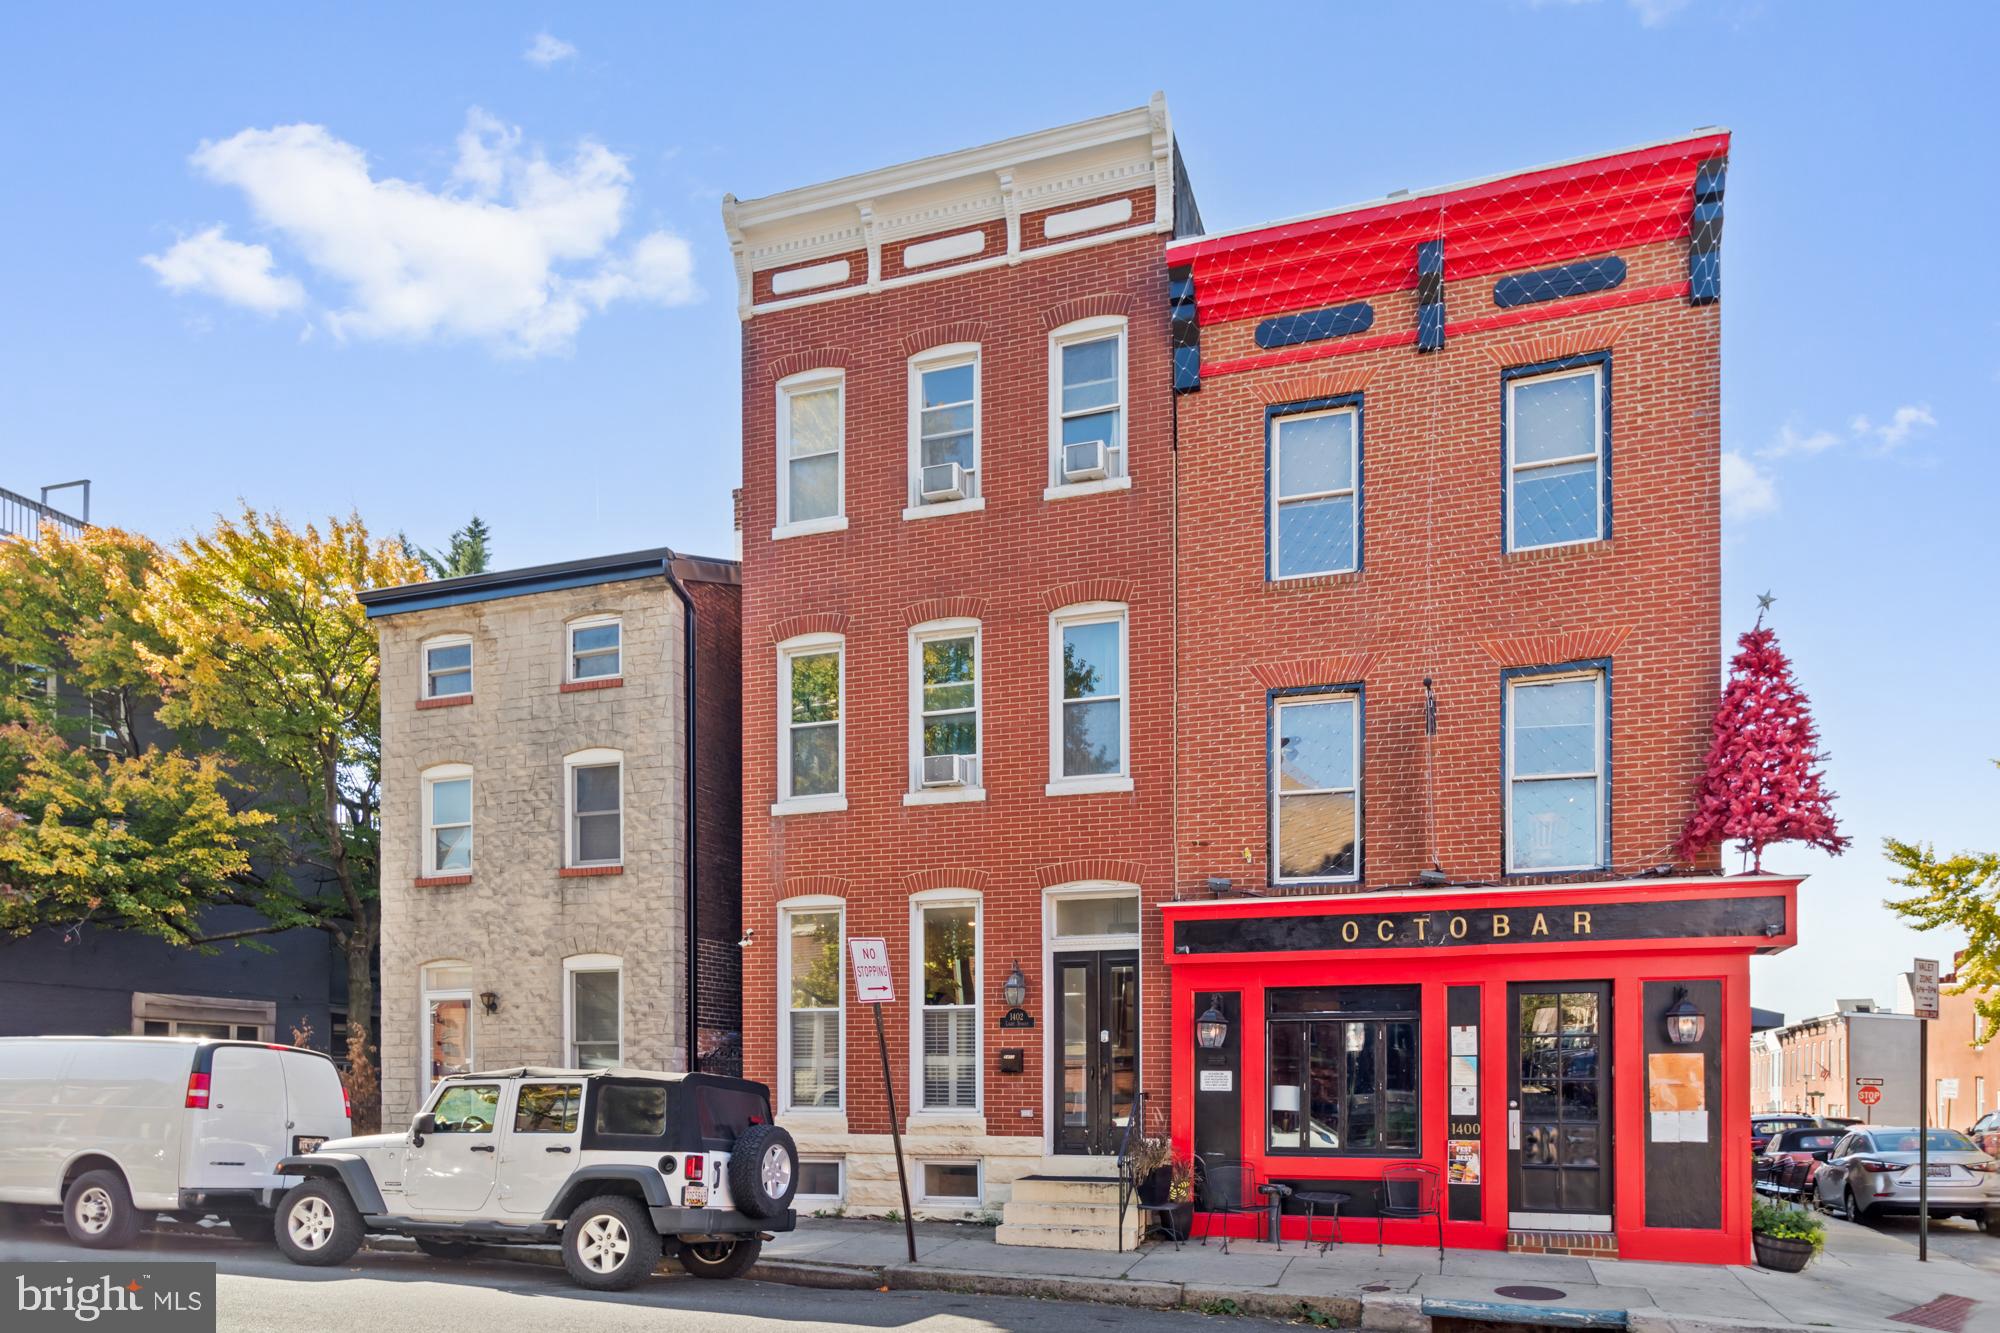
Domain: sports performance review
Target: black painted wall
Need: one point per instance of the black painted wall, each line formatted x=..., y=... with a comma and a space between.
x=1684, y=1180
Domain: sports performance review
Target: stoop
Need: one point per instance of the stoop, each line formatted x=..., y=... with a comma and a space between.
x=1068, y=1203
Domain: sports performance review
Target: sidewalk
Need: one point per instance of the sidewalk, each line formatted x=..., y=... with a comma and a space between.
x=1864, y=1279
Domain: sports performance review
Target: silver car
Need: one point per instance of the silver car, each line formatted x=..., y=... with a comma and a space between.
x=1873, y=1170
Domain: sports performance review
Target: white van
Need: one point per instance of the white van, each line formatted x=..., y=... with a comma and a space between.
x=115, y=1129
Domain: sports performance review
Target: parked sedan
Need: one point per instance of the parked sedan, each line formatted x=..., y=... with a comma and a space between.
x=1792, y=1160
x=1874, y=1170
x=1762, y=1127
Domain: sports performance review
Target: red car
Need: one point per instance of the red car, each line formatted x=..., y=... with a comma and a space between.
x=1986, y=1133
x=1793, y=1157
x=1762, y=1127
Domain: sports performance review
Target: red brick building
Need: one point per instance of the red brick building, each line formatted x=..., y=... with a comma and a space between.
x=920, y=549
x=1347, y=691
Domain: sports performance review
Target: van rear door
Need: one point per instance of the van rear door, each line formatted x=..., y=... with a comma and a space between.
x=241, y=1134
x=315, y=1106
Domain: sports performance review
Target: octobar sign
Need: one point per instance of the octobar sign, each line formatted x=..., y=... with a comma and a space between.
x=1540, y=925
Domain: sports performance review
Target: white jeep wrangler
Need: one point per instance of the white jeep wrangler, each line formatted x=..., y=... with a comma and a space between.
x=618, y=1166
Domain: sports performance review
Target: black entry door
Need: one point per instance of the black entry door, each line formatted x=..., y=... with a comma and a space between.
x=1559, y=1103
x=1096, y=1033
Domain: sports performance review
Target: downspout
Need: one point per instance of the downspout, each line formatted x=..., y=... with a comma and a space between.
x=691, y=941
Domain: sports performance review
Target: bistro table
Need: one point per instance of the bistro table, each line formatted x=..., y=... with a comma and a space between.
x=1328, y=1200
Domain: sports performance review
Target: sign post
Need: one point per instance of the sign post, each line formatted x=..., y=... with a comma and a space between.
x=1924, y=989
x=875, y=986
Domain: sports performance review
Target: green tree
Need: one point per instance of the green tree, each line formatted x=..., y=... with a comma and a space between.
x=467, y=553
x=264, y=647
x=1961, y=891
x=93, y=828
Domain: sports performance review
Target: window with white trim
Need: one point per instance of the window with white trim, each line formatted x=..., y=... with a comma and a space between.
x=944, y=706
x=593, y=1011
x=811, y=980
x=447, y=666
x=953, y=1183
x=593, y=782
x=596, y=648
x=1556, y=729
x=446, y=1007
x=811, y=455
x=947, y=985
x=820, y=1180
x=1087, y=403
x=944, y=425
x=1089, y=722
x=1315, y=481
x=811, y=743
x=448, y=819
x=1557, y=424
x=1316, y=787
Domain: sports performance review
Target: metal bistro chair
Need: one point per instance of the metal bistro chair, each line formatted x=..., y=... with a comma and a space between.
x=1414, y=1190
x=1228, y=1188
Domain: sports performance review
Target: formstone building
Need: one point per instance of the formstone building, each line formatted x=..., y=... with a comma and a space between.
x=560, y=820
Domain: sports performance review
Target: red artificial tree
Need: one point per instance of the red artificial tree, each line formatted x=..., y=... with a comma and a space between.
x=1762, y=783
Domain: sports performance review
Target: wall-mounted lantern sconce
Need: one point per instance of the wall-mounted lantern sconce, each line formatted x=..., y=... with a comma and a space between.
x=1211, y=1029
x=489, y=1001
x=1014, y=989
x=1685, y=1023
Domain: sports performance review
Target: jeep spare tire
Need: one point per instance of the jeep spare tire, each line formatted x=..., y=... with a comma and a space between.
x=763, y=1171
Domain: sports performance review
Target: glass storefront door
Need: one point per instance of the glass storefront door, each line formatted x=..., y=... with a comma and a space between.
x=1559, y=1106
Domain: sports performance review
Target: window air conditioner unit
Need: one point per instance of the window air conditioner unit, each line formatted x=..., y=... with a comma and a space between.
x=1083, y=461
x=942, y=481
x=948, y=770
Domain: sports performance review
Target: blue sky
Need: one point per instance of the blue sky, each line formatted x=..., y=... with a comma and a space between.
x=587, y=402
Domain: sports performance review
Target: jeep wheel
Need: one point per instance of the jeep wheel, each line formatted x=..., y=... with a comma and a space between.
x=318, y=1224
x=98, y=1211
x=443, y=1249
x=257, y=1228
x=730, y=1257
x=763, y=1171
x=609, y=1243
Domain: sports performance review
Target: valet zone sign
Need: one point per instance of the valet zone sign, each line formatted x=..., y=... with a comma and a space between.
x=874, y=981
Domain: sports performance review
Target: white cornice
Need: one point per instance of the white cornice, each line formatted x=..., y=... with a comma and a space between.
x=972, y=186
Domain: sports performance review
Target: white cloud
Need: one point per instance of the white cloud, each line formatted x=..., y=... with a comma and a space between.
x=516, y=250
x=1793, y=440
x=232, y=271
x=1747, y=490
x=1895, y=432
x=1654, y=13
x=548, y=49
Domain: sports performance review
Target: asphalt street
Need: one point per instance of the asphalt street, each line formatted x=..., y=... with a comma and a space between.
x=1953, y=1238
x=259, y=1291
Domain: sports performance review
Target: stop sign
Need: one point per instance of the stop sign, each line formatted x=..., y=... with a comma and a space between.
x=1869, y=1096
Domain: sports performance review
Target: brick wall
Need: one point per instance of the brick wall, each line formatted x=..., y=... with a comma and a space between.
x=1437, y=596
x=885, y=573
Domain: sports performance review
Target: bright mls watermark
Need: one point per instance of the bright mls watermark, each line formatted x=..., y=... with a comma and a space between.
x=169, y=1297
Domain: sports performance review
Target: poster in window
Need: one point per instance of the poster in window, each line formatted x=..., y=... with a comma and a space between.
x=1677, y=1097
x=451, y=1043
x=1462, y=1161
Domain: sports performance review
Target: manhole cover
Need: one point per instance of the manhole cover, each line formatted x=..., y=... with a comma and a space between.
x=1530, y=1293
x=1376, y=1286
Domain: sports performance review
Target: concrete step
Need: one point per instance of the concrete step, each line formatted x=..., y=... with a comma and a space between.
x=1064, y=1237
x=1103, y=1215
x=1075, y=1164
x=1058, y=1189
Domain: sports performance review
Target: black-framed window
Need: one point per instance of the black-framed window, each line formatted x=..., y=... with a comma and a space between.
x=1341, y=1071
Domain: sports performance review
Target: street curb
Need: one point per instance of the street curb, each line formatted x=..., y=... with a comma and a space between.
x=1096, y=1291
x=807, y=1273
x=1272, y=1303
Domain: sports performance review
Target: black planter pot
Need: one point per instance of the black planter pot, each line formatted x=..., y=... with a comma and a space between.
x=1155, y=1191
x=1783, y=1255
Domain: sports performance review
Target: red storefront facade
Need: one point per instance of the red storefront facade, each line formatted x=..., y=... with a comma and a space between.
x=1670, y=1186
